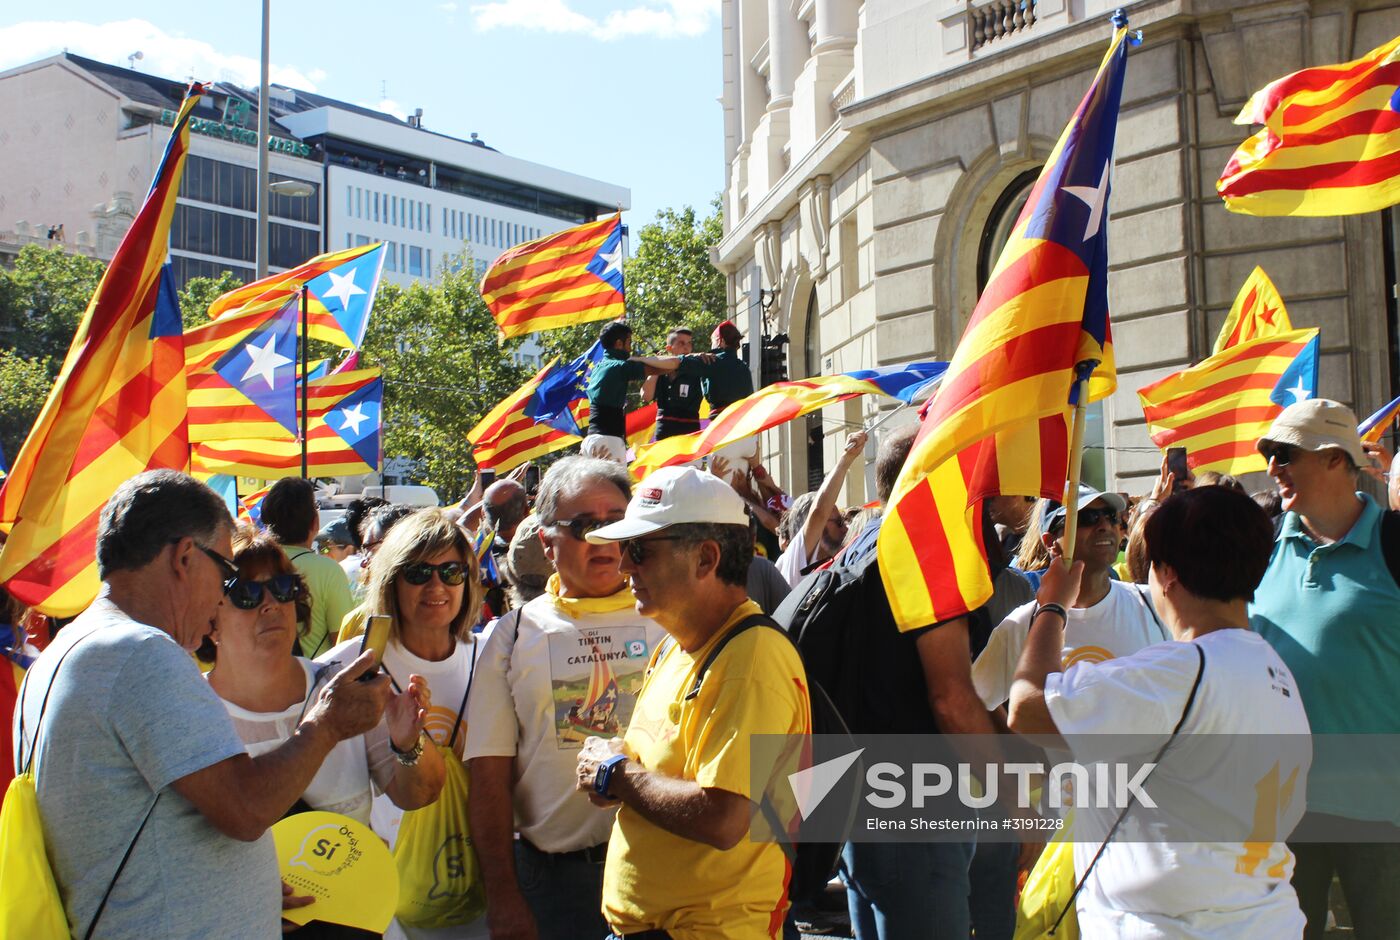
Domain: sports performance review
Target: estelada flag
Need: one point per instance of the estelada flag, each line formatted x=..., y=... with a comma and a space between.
x=563, y=279
x=341, y=287
x=1041, y=322
x=1220, y=407
x=1374, y=427
x=1330, y=144
x=1258, y=311
x=343, y=435
x=117, y=408
x=250, y=390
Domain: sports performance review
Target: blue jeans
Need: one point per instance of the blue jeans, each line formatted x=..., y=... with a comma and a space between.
x=564, y=892
x=908, y=890
x=993, y=899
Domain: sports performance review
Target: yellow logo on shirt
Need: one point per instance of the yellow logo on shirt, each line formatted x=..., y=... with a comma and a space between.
x=1087, y=654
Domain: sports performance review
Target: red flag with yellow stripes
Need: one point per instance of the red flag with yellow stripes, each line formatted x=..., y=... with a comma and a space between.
x=117, y=409
x=563, y=279
x=1330, y=142
x=1041, y=321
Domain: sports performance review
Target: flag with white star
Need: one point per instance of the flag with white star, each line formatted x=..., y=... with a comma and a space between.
x=340, y=285
x=250, y=391
x=1042, y=317
x=563, y=279
x=1220, y=407
x=343, y=435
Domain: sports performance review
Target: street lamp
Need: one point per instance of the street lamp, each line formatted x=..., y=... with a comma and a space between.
x=299, y=189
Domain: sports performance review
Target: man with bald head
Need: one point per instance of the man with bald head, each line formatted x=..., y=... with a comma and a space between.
x=506, y=505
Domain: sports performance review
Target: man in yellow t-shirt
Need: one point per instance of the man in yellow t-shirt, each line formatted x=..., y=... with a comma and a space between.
x=680, y=861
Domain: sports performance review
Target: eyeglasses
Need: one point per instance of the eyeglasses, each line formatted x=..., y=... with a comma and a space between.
x=450, y=573
x=637, y=550
x=579, y=528
x=248, y=595
x=1281, y=455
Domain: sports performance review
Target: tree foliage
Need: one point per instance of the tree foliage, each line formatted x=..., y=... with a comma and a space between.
x=42, y=299
x=24, y=386
x=199, y=292
x=443, y=371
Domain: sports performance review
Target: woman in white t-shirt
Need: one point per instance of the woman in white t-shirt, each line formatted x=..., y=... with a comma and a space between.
x=267, y=690
x=1221, y=706
x=424, y=576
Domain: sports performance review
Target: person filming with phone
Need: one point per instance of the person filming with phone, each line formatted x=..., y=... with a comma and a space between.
x=147, y=793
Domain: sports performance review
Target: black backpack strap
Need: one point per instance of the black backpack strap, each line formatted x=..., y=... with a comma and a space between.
x=1142, y=593
x=471, y=677
x=1390, y=542
x=1132, y=797
x=753, y=620
x=126, y=856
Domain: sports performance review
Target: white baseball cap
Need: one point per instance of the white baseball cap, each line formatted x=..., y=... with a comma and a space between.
x=674, y=495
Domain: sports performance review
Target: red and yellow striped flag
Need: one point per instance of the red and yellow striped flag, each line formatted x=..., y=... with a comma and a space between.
x=1042, y=318
x=1374, y=427
x=342, y=437
x=117, y=409
x=1258, y=311
x=1330, y=144
x=1219, y=408
x=570, y=277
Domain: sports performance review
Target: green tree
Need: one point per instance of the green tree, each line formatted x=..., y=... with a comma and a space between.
x=42, y=299
x=443, y=371
x=199, y=292
x=24, y=386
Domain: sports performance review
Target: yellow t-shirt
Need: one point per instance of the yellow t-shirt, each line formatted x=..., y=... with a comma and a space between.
x=655, y=880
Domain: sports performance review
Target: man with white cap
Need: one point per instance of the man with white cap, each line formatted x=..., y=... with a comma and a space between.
x=1329, y=604
x=681, y=775
x=1108, y=619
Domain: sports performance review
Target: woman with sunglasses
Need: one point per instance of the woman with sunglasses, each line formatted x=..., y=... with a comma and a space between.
x=267, y=690
x=424, y=578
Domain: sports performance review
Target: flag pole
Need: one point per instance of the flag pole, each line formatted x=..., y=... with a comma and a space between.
x=304, y=378
x=1080, y=396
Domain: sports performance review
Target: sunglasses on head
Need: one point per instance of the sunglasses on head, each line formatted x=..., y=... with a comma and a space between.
x=637, y=550
x=579, y=528
x=246, y=594
x=451, y=573
x=1280, y=455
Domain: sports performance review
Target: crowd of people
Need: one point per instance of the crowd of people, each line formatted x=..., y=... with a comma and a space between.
x=594, y=657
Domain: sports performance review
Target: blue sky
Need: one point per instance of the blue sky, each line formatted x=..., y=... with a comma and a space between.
x=619, y=90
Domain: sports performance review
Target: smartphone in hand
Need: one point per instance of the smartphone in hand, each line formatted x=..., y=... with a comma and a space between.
x=376, y=638
x=1177, y=466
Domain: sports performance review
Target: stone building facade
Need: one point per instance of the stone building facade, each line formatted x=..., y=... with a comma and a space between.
x=878, y=154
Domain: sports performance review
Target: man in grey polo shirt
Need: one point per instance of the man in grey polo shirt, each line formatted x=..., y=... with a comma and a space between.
x=133, y=752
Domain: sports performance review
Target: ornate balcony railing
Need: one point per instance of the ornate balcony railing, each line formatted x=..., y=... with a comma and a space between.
x=1000, y=18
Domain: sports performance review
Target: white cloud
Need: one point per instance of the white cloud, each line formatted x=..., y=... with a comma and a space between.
x=669, y=19
x=388, y=106
x=447, y=7
x=163, y=54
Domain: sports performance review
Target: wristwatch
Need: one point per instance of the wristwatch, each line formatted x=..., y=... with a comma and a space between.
x=602, y=779
x=410, y=757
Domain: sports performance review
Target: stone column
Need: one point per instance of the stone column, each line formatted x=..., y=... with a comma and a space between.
x=787, y=53
x=836, y=26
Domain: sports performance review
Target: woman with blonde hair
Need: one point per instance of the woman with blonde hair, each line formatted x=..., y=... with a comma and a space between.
x=424, y=578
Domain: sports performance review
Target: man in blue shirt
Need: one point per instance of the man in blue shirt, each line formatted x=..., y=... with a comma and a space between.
x=1331, y=608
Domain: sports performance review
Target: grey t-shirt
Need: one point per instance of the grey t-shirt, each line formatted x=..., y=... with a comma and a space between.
x=128, y=715
x=767, y=586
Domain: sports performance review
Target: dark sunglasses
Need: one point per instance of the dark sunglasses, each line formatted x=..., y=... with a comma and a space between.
x=1280, y=454
x=247, y=594
x=1088, y=518
x=637, y=550
x=451, y=573
x=579, y=528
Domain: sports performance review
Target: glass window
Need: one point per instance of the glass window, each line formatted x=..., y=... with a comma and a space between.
x=415, y=261
x=429, y=262
x=376, y=207
x=390, y=257
x=361, y=240
x=349, y=200
x=348, y=243
x=291, y=245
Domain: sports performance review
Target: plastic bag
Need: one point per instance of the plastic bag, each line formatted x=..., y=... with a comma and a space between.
x=439, y=877
x=1047, y=892
x=30, y=905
